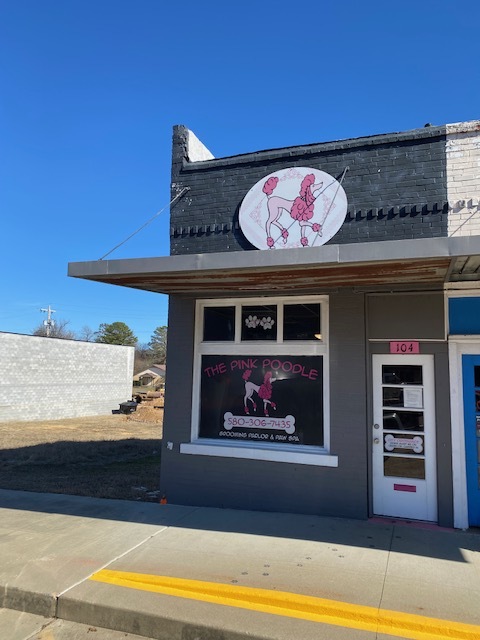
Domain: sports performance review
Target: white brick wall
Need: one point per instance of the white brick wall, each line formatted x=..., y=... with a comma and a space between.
x=197, y=151
x=463, y=178
x=49, y=378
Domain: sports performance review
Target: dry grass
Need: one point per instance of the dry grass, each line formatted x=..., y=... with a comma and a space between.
x=114, y=456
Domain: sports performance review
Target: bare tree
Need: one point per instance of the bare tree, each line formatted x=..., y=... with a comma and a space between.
x=58, y=330
x=87, y=334
x=143, y=358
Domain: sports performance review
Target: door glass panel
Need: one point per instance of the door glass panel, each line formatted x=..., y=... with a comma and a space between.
x=394, y=466
x=476, y=373
x=477, y=401
x=402, y=374
x=477, y=418
x=403, y=420
x=403, y=443
x=392, y=397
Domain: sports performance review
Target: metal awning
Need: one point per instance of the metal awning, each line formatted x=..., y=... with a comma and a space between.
x=430, y=261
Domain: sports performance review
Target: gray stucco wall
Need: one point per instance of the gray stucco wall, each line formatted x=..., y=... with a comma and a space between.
x=273, y=486
x=396, y=188
x=49, y=378
x=179, y=382
x=406, y=316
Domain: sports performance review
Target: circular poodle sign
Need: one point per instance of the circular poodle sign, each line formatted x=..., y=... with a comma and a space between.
x=296, y=207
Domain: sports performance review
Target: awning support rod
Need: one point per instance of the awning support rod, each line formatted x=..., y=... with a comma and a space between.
x=177, y=197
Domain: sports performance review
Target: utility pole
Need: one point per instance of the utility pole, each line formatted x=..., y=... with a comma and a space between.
x=49, y=322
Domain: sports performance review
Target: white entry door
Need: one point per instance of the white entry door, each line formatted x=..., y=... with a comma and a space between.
x=404, y=460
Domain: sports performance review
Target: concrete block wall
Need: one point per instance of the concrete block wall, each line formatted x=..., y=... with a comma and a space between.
x=463, y=178
x=396, y=188
x=48, y=378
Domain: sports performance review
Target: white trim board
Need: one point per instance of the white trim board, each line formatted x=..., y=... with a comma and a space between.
x=459, y=346
x=318, y=458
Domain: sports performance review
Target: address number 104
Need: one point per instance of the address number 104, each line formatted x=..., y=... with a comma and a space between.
x=404, y=347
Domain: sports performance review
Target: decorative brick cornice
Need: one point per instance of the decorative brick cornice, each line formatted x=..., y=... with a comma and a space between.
x=353, y=215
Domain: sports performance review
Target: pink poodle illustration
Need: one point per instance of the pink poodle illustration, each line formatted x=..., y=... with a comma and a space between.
x=292, y=208
x=301, y=209
x=264, y=391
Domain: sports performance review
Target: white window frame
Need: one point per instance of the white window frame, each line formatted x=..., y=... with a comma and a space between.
x=276, y=452
x=459, y=346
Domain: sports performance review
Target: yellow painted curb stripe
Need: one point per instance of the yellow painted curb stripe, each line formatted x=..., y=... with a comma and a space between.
x=294, y=605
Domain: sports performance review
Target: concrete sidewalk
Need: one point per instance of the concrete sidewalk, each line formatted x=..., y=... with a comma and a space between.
x=51, y=546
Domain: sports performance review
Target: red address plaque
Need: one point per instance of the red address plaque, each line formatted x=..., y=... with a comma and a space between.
x=404, y=347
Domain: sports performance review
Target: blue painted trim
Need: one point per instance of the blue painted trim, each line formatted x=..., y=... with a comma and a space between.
x=472, y=463
x=464, y=316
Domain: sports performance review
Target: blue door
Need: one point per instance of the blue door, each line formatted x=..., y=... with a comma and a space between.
x=471, y=403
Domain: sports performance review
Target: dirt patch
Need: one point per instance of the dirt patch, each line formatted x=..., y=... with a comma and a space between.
x=115, y=456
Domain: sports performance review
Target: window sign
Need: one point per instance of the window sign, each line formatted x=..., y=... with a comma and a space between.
x=259, y=322
x=413, y=397
x=408, y=397
x=403, y=443
x=262, y=398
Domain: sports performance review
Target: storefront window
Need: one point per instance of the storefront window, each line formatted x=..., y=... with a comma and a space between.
x=259, y=322
x=261, y=377
x=476, y=373
x=301, y=322
x=260, y=398
x=219, y=324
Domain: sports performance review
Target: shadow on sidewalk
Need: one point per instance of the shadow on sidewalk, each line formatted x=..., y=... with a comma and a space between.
x=372, y=536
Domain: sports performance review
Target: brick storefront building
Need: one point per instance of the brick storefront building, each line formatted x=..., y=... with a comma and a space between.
x=335, y=370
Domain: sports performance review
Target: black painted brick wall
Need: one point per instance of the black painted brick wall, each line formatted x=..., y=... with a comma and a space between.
x=395, y=186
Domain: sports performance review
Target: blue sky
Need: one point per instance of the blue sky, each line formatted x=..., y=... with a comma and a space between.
x=90, y=90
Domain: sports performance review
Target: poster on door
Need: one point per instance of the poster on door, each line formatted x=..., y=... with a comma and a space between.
x=269, y=399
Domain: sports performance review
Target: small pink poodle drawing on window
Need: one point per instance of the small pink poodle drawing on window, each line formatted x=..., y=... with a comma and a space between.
x=264, y=391
x=301, y=209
